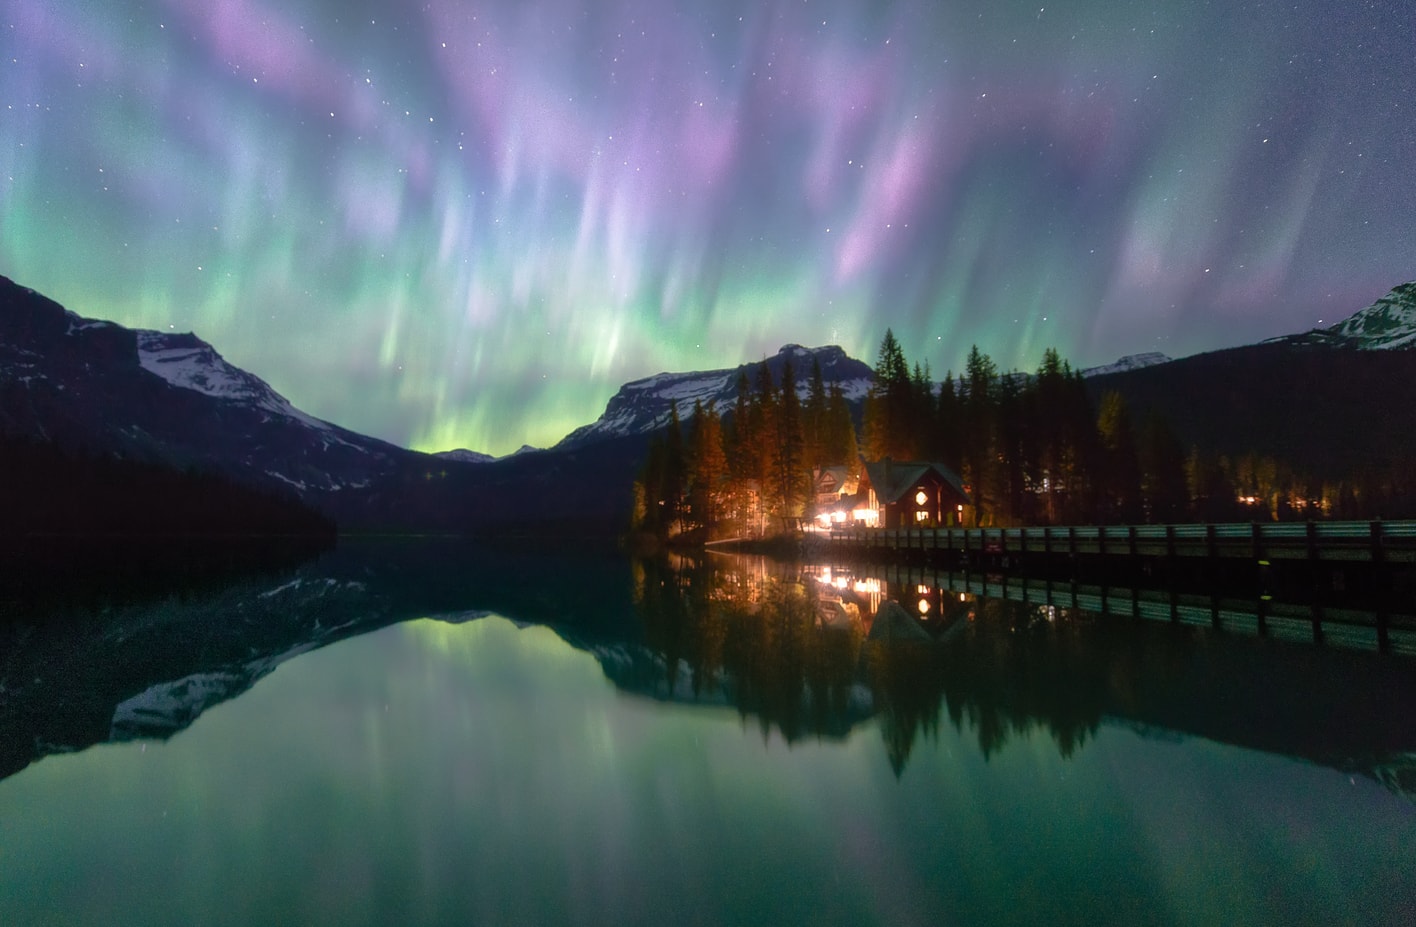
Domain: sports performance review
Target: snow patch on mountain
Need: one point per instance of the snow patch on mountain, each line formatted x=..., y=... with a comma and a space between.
x=78, y=323
x=188, y=362
x=1129, y=362
x=854, y=390
x=463, y=455
x=168, y=707
x=1388, y=324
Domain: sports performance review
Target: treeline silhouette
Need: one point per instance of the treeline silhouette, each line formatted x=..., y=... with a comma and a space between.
x=46, y=490
x=1034, y=448
x=759, y=640
x=746, y=472
x=79, y=527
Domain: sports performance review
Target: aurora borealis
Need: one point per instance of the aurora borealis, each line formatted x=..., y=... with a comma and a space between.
x=466, y=224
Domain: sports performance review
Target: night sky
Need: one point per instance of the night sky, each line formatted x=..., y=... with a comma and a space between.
x=466, y=224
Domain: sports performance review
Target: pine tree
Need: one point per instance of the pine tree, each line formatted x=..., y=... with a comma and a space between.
x=980, y=441
x=1163, y=477
x=814, y=418
x=890, y=430
x=674, y=477
x=1120, y=475
x=945, y=445
x=790, y=464
x=708, y=467
x=841, y=446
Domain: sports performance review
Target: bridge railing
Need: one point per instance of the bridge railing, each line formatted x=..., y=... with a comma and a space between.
x=1377, y=535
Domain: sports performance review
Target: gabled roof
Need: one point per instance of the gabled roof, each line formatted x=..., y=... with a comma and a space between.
x=839, y=474
x=892, y=479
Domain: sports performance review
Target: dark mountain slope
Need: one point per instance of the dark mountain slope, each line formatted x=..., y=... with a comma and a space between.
x=1328, y=411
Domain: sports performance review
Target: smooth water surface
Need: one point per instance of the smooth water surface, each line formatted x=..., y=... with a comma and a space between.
x=721, y=750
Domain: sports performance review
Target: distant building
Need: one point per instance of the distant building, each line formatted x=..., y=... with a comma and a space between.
x=833, y=495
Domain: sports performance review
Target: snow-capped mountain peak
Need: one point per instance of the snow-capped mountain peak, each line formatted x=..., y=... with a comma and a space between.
x=646, y=405
x=186, y=361
x=1388, y=323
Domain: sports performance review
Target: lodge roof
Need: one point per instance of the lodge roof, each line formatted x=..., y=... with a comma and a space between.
x=892, y=479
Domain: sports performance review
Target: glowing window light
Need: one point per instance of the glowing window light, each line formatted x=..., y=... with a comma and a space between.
x=921, y=497
x=924, y=606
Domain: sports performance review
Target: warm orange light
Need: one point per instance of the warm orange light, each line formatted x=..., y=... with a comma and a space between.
x=924, y=606
x=921, y=497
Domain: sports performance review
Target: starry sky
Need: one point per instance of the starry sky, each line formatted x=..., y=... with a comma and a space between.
x=465, y=224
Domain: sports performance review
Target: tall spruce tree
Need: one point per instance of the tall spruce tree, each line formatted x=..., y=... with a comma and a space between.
x=1119, y=480
x=708, y=467
x=813, y=419
x=792, y=478
x=979, y=385
x=890, y=404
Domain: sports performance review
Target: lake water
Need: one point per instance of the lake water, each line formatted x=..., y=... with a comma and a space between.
x=438, y=734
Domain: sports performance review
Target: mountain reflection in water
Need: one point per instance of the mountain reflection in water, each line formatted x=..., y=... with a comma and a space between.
x=807, y=652
x=442, y=733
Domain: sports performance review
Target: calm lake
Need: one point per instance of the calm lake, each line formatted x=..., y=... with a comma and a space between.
x=404, y=733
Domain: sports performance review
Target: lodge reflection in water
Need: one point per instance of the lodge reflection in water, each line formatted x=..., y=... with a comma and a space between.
x=814, y=651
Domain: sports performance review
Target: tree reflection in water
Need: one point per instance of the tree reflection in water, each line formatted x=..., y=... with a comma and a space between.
x=811, y=655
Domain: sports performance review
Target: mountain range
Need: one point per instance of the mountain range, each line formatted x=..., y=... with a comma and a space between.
x=1322, y=397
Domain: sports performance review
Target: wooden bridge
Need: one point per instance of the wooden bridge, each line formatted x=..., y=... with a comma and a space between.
x=1331, y=541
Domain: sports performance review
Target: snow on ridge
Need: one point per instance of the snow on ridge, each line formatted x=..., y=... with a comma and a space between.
x=1129, y=362
x=463, y=455
x=285, y=479
x=168, y=707
x=195, y=367
x=193, y=364
x=1388, y=323
x=695, y=388
x=78, y=323
x=857, y=389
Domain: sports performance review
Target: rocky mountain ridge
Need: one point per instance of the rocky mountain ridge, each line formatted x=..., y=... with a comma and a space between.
x=645, y=405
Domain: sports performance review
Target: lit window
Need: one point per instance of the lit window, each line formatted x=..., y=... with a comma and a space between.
x=921, y=516
x=924, y=606
x=921, y=497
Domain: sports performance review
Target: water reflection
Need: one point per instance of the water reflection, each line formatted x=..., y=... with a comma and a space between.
x=711, y=743
x=814, y=651
x=800, y=653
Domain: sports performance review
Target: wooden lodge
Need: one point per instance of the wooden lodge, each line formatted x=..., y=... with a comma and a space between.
x=912, y=494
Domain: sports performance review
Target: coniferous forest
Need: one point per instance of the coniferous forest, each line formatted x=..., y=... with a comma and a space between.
x=1033, y=448
x=52, y=491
